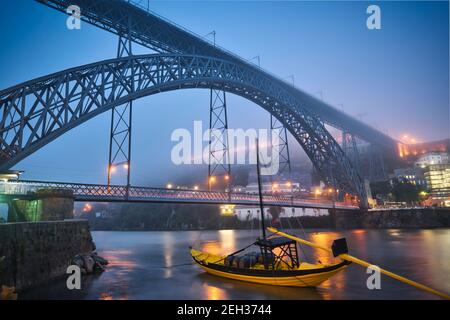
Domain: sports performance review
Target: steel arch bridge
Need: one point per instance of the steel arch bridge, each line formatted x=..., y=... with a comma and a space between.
x=38, y=111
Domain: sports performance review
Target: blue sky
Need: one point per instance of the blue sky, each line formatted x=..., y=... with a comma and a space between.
x=396, y=78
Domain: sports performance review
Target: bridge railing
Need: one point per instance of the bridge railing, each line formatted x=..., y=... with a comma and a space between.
x=105, y=192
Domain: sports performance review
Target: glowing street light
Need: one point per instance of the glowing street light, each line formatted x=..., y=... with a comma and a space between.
x=212, y=179
x=288, y=184
x=125, y=166
x=227, y=177
x=112, y=169
x=169, y=186
x=195, y=187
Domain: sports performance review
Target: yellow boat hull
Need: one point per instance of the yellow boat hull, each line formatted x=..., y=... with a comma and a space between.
x=306, y=275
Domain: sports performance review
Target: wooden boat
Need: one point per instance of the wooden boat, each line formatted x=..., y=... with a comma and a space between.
x=275, y=263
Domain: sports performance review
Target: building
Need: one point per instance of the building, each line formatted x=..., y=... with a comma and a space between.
x=245, y=213
x=412, y=175
x=438, y=181
x=431, y=158
x=414, y=150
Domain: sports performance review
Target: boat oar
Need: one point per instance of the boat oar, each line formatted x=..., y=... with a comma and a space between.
x=346, y=256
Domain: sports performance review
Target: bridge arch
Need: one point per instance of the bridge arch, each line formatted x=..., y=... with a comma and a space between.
x=38, y=111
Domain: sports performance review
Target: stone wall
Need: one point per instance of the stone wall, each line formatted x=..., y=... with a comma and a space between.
x=401, y=219
x=37, y=252
x=407, y=218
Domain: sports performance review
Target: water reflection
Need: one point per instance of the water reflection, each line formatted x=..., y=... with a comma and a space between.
x=157, y=265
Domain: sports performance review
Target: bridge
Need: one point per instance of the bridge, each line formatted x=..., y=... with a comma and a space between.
x=36, y=112
x=104, y=193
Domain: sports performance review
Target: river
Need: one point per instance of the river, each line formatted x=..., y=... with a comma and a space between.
x=157, y=265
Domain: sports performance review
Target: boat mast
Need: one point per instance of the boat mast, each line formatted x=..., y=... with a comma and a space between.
x=261, y=207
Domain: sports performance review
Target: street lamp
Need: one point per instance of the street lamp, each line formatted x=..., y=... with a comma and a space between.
x=169, y=186
x=211, y=180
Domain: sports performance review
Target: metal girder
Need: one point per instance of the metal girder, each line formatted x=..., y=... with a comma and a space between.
x=351, y=150
x=219, y=153
x=105, y=193
x=121, y=121
x=282, y=147
x=377, y=170
x=38, y=111
x=161, y=35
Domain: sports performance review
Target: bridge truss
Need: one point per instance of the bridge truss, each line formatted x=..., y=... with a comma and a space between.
x=105, y=193
x=38, y=111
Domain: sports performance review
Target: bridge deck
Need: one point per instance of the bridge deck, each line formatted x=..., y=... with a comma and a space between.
x=104, y=193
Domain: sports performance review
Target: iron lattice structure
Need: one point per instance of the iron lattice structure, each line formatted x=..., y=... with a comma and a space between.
x=161, y=35
x=351, y=150
x=282, y=147
x=121, y=122
x=219, y=153
x=377, y=170
x=38, y=111
x=113, y=193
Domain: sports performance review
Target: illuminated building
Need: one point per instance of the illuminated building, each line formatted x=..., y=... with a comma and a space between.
x=412, y=175
x=246, y=213
x=430, y=158
x=438, y=181
x=227, y=210
x=412, y=151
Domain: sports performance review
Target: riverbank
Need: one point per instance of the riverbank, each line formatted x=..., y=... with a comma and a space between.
x=408, y=218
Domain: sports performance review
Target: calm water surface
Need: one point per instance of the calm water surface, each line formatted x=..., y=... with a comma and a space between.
x=157, y=265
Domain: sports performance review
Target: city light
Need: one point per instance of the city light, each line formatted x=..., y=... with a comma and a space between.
x=125, y=166
x=275, y=186
x=330, y=190
x=212, y=179
x=288, y=184
x=227, y=209
x=195, y=187
x=169, y=186
x=87, y=207
x=112, y=169
x=318, y=192
x=227, y=177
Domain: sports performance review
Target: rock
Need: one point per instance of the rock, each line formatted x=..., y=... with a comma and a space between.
x=8, y=293
x=89, y=263
x=99, y=259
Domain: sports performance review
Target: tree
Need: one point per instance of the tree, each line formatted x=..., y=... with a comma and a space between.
x=405, y=191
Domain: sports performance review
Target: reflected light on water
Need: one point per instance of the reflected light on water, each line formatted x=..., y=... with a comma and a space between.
x=225, y=245
x=394, y=232
x=116, y=259
x=105, y=296
x=214, y=293
x=324, y=240
x=168, y=254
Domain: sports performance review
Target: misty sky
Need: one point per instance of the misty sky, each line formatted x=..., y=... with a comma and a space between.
x=395, y=79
